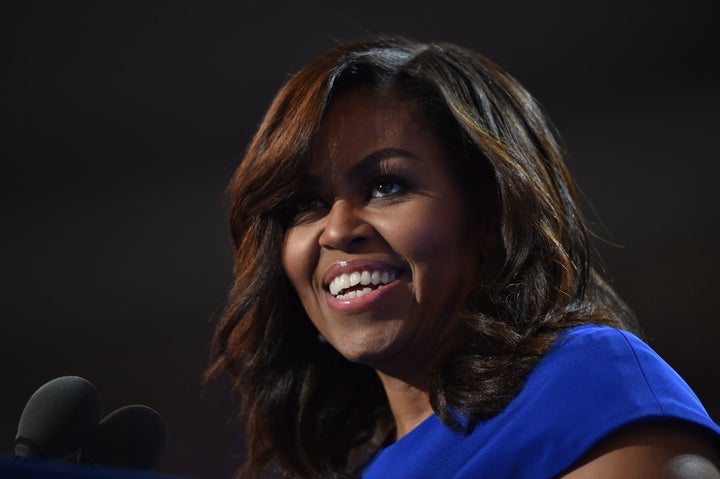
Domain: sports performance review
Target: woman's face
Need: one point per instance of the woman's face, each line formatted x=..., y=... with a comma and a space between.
x=382, y=247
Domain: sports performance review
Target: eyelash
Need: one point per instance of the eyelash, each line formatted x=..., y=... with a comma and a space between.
x=309, y=202
x=304, y=202
x=400, y=186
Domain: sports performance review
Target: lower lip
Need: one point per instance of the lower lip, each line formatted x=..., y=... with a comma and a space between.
x=364, y=302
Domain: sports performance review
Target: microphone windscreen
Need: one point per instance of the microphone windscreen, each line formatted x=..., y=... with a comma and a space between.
x=58, y=418
x=132, y=437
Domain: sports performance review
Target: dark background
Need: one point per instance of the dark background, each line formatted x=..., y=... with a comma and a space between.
x=123, y=121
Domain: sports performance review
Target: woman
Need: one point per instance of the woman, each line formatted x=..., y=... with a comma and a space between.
x=415, y=292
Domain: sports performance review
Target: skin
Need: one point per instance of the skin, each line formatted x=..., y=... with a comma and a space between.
x=380, y=195
x=653, y=450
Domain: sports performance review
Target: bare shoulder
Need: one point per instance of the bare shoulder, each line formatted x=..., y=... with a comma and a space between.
x=658, y=450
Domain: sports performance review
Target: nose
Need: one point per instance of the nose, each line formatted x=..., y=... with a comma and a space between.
x=344, y=228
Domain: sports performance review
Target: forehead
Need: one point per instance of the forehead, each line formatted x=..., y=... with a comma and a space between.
x=360, y=122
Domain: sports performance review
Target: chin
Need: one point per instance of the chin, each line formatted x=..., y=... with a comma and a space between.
x=383, y=359
x=363, y=351
x=361, y=355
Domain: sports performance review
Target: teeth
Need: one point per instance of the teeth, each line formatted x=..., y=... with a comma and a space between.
x=354, y=294
x=344, y=281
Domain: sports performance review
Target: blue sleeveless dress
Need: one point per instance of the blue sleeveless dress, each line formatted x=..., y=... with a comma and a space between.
x=594, y=381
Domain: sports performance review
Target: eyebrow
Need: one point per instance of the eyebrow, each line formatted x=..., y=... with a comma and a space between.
x=367, y=163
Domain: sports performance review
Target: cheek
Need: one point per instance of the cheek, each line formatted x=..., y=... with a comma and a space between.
x=432, y=233
x=298, y=259
x=440, y=246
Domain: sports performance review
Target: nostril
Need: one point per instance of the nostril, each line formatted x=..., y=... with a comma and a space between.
x=344, y=227
x=348, y=241
x=358, y=240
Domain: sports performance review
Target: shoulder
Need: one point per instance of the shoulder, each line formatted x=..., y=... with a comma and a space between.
x=597, y=382
x=616, y=363
x=584, y=408
x=613, y=372
x=663, y=430
x=658, y=449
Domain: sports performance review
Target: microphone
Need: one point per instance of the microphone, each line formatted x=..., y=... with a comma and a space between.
x=58, y=418
x=132, y=437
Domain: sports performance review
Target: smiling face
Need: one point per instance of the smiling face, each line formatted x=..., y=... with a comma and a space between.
x=382, y=248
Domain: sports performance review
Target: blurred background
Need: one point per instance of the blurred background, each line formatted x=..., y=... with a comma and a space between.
x=123, y=121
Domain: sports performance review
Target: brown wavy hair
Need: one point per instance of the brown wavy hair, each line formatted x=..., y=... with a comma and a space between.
x=307, y=409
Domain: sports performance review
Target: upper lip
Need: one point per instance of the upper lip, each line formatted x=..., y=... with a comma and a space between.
x=340, y=267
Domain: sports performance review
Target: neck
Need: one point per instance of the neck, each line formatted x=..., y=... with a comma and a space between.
x=409, y=403
x=407, y=385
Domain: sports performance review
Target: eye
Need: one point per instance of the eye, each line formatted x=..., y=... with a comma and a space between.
x=302, y=206
x=306, y=203
x=387, y=185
